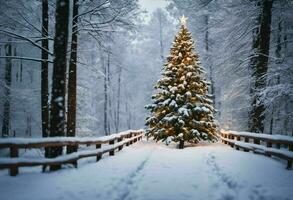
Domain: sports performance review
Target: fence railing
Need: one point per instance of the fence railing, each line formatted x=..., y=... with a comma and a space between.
x=270, y=145
x=106, y=144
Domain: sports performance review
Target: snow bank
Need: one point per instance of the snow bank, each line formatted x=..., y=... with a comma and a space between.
x=151, y=171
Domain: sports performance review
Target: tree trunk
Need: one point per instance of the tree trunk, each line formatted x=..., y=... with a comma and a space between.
x=57, y=109
x=181, y=144
x=7, y=87
x=44, y=72
x=108, y=91
x=212, y=86
x=261, y=67
x=71, y=112
x=105, y=96
x=253, y=59
x=118, y=101
x=278, y=50
x=28, y=124
x=128, y=111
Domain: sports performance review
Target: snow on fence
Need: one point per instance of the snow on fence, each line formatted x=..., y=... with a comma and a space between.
x=270, y=145
x=114, y=141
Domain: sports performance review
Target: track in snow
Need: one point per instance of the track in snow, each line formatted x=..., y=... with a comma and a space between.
x=127, y=184
x=150, y=171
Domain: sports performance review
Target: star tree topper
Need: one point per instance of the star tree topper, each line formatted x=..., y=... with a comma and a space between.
x=183, y=20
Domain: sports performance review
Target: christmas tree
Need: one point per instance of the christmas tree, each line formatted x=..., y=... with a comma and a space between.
x=181, y=109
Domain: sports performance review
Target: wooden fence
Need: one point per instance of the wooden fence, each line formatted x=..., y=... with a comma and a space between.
x=102, y=145
x=270, y=145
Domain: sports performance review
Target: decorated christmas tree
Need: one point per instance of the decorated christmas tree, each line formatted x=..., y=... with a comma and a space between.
x=181, y=109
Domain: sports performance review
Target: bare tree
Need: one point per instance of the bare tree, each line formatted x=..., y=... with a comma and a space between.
x=7, y=88
x=71, y=111
x=108, y=86
x=117, y=119
x=44, y=70
x=57, y=109
x=261, y=66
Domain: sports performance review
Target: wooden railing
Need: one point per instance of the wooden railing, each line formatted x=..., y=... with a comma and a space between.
x=270, y=145
x=102, y=145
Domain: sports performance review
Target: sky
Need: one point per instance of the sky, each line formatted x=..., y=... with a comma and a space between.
x=151, y=5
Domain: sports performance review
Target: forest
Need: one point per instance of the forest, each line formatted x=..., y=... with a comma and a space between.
x=146, y=99
x=87, y=67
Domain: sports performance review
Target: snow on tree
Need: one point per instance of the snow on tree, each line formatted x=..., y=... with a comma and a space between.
x=182, y=110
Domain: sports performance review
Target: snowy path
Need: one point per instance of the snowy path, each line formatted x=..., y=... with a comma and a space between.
x=149, y=171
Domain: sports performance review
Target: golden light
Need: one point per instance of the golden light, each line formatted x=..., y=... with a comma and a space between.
x=183, y=20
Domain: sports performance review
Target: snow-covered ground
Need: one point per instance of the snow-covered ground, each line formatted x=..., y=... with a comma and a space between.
x=150, y=171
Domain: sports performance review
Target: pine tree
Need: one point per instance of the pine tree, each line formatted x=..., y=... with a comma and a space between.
x=181, y=109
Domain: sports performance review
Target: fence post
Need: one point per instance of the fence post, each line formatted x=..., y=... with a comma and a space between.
x=127, y=137
x=246, y=139
x=74, y=149
x=238, y=139
x=130, y=136
x=140, y=138
x=225, y=136
x=269, y=145
x=232, y=138
x=135, y=140
x=289, y=162
x=256, y=141
x=99, y=156
x=278, y=145
x=121, y=146
x=112, y=152
x=231, y=143
x=14, y=154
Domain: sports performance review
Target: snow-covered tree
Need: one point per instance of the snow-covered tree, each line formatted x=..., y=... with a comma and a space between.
x=182, y=110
